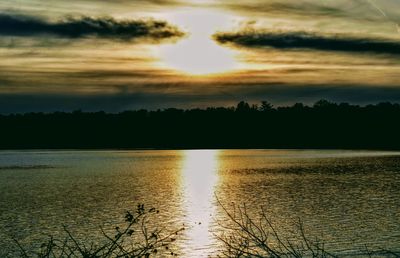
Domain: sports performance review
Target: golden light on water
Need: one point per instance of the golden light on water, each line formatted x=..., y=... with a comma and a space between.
x=199, y=180
x=198, y=54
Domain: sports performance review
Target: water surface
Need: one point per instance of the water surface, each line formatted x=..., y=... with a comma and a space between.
x=347, y=198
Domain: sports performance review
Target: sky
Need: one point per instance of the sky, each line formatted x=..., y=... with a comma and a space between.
x=130, y=54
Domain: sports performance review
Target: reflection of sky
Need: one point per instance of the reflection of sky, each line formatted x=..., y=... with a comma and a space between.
x=87, y=189
x=199, y=179
x=148, y=73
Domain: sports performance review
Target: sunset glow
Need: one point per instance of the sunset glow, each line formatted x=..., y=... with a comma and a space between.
x=198, y=54
x=199, y=128
x=118, y=55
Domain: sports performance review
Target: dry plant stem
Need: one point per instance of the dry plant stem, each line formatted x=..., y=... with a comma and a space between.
x=248, y=237
x=122, y=244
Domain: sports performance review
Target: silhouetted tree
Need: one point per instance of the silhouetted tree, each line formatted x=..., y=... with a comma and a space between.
x=323, y=125
x=298, y=106
x=266, y=106
x=243, y=107
x=254, y=107
x=323, y=103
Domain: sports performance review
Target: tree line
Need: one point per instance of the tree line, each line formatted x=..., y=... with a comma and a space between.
x=322, y=125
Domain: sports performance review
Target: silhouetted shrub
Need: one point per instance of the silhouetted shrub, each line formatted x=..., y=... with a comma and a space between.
x=246, y=236
x=136, y=239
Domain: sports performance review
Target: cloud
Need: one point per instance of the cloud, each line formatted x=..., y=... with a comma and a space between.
x=22, y=103
x=354, y=10
x=296, y=9
x=305, y=40
x=104, y=27
x=277, y=94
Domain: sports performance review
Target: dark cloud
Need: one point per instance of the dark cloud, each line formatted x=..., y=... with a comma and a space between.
x=286, y=94
x=23, y=103
x=342, y=10
x=355, y=9
x=277, y=94
x=304, y=40
x=105, y=27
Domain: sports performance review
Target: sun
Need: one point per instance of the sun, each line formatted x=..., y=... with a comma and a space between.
x=198, y=54
x=197, y=57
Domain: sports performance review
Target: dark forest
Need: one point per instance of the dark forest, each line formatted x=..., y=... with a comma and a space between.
x=324, y=125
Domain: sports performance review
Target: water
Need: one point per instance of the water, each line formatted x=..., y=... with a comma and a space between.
x=348, y=199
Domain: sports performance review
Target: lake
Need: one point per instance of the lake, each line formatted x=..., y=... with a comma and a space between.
x=348, y=199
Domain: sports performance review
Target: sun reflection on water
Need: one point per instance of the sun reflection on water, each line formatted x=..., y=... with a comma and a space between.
x=199, y=180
